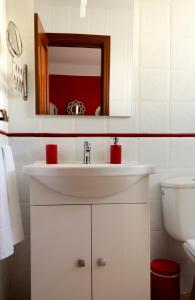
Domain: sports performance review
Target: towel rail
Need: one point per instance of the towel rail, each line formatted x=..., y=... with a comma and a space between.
x=4, y=116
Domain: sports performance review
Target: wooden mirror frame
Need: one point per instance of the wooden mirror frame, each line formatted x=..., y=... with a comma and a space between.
x=44, y=40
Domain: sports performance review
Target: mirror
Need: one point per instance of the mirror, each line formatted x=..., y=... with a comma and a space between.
x=71, y=69
x=14, y=42
x=75, y=73
x=111, y=19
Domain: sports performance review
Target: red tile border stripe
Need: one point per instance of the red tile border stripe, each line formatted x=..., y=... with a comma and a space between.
x=74, y=135
x=3, y=133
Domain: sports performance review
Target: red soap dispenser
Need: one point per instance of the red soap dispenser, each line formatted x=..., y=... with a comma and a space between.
x=115, y=152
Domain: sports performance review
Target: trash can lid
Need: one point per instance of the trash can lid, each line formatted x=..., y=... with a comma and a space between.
x=165, y=267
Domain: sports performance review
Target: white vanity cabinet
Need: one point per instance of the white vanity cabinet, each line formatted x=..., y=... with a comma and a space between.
x=90, y=248
x=120, y=237
x=60, y=237
x=109, y=241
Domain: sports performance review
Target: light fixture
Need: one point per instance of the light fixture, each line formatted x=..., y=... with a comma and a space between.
x=83, y=8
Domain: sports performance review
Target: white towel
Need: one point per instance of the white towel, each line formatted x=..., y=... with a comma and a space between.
x=13, y=198
x=6, y=241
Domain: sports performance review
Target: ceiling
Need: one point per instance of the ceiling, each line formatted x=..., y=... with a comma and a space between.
x=74, y=56
x=115, y=4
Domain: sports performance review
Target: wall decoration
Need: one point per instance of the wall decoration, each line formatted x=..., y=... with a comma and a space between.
x=76, y=108
x=15, y=47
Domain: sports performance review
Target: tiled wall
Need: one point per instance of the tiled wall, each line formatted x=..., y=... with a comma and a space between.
x=3, y=125
x=164, y=101
x=3, y=62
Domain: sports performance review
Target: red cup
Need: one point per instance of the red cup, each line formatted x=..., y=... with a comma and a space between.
x=51, y=154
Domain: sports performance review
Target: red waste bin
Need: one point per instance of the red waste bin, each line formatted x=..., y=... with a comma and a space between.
x=165, y=280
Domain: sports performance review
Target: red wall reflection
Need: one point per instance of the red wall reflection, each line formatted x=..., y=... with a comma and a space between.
x=65, y=88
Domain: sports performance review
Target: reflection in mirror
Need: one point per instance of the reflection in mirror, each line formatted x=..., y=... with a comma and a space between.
x=74, y=80
x=65, y=68
x=111, y=18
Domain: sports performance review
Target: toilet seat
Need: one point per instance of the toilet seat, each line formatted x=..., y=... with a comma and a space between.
x=189, y=247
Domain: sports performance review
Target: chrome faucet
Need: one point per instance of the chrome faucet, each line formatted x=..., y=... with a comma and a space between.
x=87, y=153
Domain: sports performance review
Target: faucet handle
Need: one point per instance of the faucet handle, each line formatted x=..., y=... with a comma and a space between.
x=87, y=145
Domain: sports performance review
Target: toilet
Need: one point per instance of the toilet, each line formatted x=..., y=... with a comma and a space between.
x=178, y=203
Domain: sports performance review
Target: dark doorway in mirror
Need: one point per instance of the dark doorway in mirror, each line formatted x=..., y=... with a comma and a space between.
x=72, y=73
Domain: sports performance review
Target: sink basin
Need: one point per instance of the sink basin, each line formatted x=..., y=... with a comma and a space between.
x=93, y=180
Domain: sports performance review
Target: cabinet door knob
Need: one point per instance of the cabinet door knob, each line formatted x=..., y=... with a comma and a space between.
x=101, y=262
x=81, y=263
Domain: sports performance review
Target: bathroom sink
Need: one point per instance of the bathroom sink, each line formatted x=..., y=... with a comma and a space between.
x=88, y=180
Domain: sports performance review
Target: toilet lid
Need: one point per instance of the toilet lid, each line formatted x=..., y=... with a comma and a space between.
x=179, y=182
x=190, y=245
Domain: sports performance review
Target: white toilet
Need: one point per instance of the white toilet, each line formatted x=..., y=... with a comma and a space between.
x=178, y=202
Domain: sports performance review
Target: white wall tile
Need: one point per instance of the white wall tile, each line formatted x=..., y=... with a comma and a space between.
x=57, y=124
x=97, y=27
x=155, y=19
x=91, y=124
x=154, y=151
x=123, y=124
x=34, y=123
x=22, y=17
x=183, y=21
x=26, y=151
x=182, y=117
x=183, y=54
x=154, y=85
x=182, y=153
x=62, y=23
x=156, y=217
x=154, y=117
x=180, y=172
x=183, y=87
x=158, y=244
x=154, y=53
x=79, y=25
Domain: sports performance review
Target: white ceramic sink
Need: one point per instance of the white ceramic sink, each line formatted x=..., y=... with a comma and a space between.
x=92, y=180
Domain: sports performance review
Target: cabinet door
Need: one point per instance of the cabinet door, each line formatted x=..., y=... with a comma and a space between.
x=60, y=236
x=120, y=252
